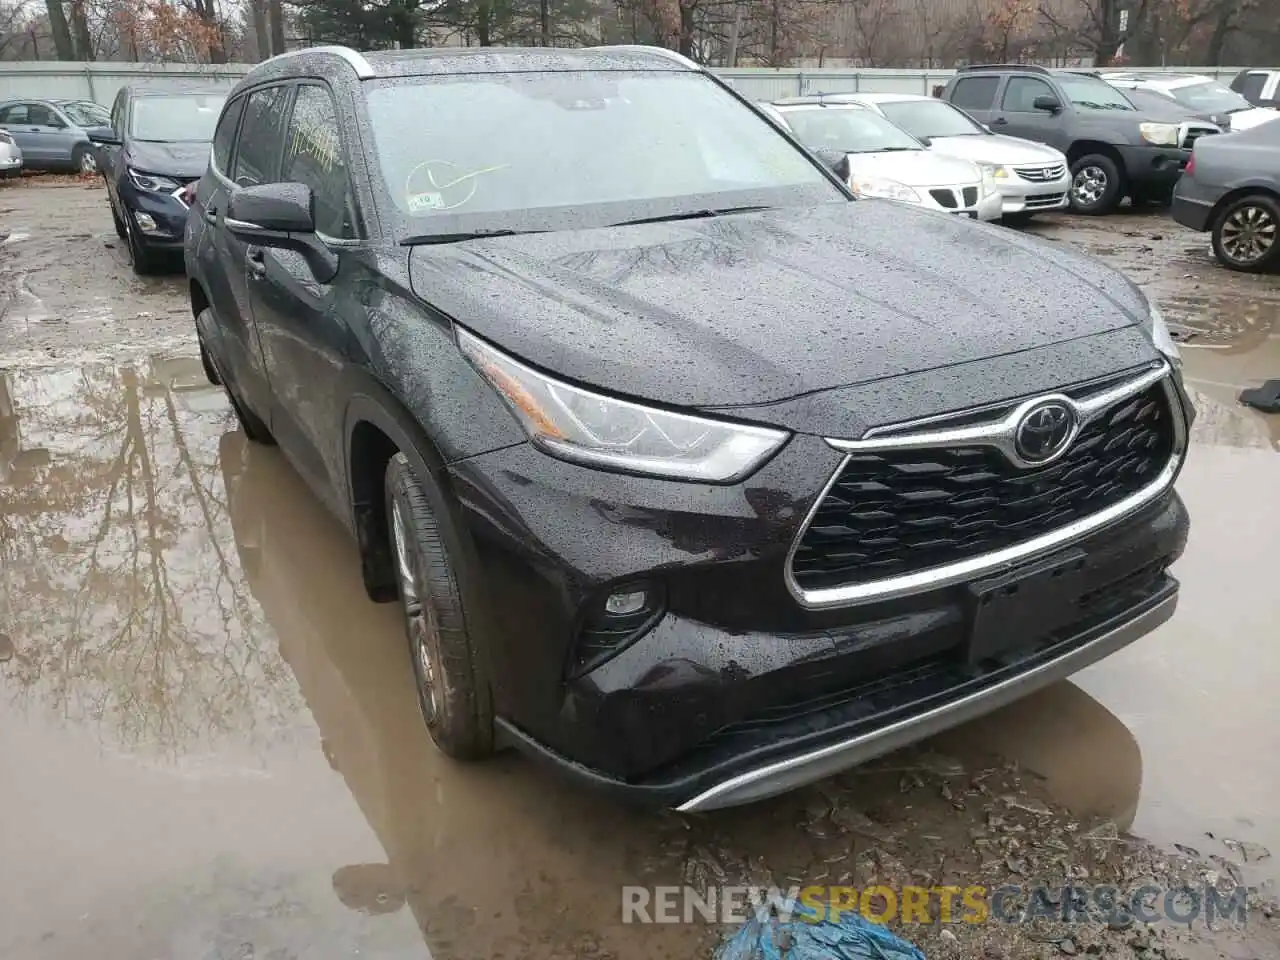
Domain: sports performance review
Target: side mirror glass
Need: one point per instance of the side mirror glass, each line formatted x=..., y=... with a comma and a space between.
x=1051, y=104
x=837, y=161
x=281, y=216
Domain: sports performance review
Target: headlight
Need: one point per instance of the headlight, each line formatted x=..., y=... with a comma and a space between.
x=1161, y=337
x=885, y=189
x=590, y=428
x=994, y=171
x=1160, y=134
x=152, y=183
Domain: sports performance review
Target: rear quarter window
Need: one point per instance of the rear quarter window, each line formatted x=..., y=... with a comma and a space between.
x=975, y=93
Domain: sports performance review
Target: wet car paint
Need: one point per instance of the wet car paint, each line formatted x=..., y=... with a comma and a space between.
x=260, y=775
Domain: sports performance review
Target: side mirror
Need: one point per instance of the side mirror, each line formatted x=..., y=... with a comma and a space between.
x=1052, y=104
x=927, y=141
x=104, y=136
x=837, y=161
x=281, y=216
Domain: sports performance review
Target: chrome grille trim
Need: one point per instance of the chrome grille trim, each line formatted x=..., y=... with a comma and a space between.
x=997, y=433
x=1042, y=174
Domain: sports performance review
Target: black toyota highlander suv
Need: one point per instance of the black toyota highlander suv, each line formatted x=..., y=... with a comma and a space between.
x=694, y=476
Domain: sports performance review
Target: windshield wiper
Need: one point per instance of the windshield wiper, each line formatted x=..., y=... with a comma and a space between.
x=427, y=239
x=692, y=215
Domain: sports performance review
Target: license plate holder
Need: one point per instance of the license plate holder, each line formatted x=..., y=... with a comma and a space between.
x=1022, y=606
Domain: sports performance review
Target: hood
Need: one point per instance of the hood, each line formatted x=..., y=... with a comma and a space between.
x=185, y=160
x=915, y=168
x=997, y=148
x=1159, y=108
x=1248, y=119
x=754, y=308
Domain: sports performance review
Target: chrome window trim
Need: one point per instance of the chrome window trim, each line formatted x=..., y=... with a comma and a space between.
x=998, y=434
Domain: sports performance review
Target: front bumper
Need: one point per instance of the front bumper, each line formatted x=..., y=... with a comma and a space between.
x=10, y=159
x=1023, y=196
x=735, y=689
x=159, y=219
x=1153, y=168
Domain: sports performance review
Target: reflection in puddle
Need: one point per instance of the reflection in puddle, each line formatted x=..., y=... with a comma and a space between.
x=123, y=616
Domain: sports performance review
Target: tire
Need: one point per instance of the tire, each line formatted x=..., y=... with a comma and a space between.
x=1096, y=185
x=84, y=159
x=1246, y=234
x=115, y=218
x=1017, y=219
x=252, y=425
x=453, y=692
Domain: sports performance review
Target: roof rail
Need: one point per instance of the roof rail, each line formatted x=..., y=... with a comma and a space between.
x=1024, y=67
x=1086, y=72
x=669, y=54
x=363, y=68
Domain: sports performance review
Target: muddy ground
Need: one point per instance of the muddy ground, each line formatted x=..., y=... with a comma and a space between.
x=210, y=749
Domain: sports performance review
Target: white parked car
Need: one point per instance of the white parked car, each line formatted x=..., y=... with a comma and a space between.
x=10, y=155
x=887, y=162
x=1030, y=177
x=1203, y=96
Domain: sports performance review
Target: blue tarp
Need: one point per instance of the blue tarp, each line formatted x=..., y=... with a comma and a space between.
x=807, y=934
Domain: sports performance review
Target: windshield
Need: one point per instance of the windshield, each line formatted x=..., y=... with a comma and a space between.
x=1092, y=93
x=87, y=114
x=851, y=130
x=931, y=118
x=558, y=150
x=176, y=117
x=1209, y=97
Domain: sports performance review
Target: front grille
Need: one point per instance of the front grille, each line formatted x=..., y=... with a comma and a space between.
x=1041, y=174
x=970, y=196
x=1043, y=200
x=897, y=512
x=1195, y=133
x=945, y=198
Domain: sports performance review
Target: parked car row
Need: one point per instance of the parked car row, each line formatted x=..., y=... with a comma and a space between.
x=705, y=472
x=51, y=135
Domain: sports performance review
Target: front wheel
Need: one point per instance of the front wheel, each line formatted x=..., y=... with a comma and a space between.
x=1096, y=185
x=85, y=160
x=453, y=692
x=1245, y=234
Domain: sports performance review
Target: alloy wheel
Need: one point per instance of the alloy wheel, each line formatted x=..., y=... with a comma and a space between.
x=421, y=623
x=88, y=162
x=1089, y=185
x=1249, y=233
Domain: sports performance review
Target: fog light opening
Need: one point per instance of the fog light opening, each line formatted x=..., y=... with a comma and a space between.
x=612, y=621
x=146, y=223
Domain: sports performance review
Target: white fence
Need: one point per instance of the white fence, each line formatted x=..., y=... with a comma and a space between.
x=100, y=81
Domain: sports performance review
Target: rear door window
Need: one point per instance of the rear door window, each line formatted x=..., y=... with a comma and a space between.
x=17, y=113
x=261, y=139
x=975, y=93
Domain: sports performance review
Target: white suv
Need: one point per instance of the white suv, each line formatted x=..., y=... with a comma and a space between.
x=1204, y=96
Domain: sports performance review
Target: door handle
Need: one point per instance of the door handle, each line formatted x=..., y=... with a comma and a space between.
x=999, y=122
x=211, y=213
x=256, y=258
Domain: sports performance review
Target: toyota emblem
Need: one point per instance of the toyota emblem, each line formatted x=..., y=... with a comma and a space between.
x=1045, y=431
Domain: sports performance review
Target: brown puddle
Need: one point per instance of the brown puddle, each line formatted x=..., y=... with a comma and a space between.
x=211, y=747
